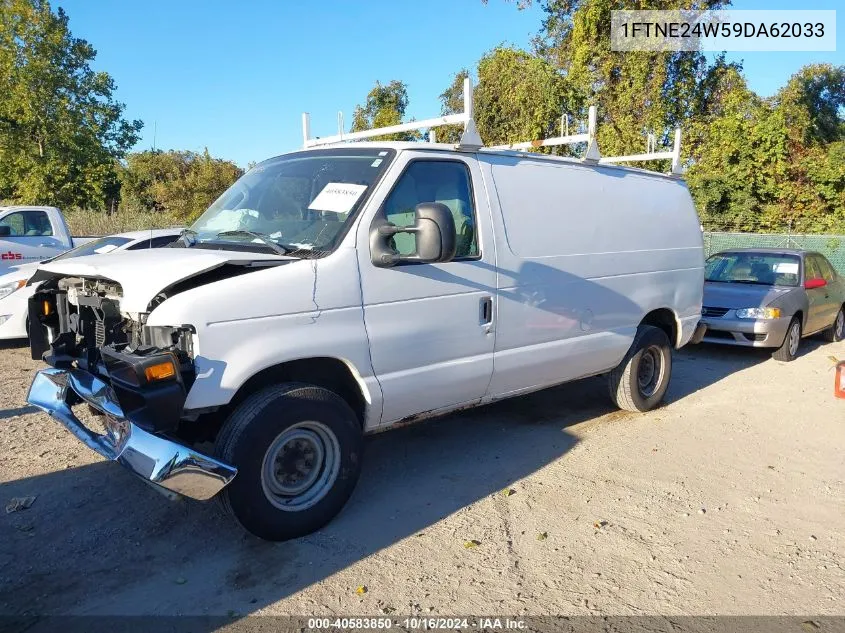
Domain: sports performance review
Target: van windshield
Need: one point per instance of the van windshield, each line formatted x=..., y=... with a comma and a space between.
x=297, y=203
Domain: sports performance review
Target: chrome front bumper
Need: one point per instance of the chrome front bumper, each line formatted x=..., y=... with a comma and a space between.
x=157, y=460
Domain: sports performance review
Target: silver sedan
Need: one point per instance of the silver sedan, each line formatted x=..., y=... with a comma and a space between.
x=759, y=297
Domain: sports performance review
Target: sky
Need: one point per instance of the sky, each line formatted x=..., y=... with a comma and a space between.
x=235, y=77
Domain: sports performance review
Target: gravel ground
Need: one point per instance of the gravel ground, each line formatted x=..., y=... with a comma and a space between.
x=729, y=500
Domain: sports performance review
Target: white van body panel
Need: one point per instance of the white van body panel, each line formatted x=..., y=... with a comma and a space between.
x=584, y=253
x=245, y=324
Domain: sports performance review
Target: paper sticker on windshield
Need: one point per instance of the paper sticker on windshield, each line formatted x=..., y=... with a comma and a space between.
x=787, y=268
x=108, y=248
x=338, y=197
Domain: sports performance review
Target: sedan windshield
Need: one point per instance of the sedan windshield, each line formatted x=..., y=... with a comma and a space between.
x=295, y=203
x=767, y=269
x=94, y=247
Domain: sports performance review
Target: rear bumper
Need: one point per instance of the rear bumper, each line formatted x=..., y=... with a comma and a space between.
x=159, y=461
x=746, y=332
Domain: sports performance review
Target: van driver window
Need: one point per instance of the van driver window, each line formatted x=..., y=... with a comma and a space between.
x=446, y=182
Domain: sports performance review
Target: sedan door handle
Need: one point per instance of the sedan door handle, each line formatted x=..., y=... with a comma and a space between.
x=485, y=311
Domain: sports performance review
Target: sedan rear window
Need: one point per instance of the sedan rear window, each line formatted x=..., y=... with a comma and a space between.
x=766, y=269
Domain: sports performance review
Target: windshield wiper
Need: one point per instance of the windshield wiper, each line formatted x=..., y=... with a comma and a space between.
x=281, y=249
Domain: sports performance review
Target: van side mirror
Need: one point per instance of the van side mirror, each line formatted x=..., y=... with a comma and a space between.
x=5, y=231
x=434, y=228
x=818, y=282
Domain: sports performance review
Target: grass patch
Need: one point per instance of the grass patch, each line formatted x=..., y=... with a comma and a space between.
x=92, y=222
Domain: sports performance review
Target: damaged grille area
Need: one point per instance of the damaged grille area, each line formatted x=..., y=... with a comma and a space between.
x=82, y=317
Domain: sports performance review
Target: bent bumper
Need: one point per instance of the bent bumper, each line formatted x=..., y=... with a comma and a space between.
x=157, y=460
x=746, y=332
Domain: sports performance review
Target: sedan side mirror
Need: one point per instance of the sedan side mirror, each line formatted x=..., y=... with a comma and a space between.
x=434, y=228
x=817, y=282
x=5, y=231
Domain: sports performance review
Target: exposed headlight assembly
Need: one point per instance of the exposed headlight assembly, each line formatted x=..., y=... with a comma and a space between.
x=758, y=313
x=7, y=289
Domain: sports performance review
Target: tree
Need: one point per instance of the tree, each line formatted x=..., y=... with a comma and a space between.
x=636, y=92
x=772, y=164
x=385, y=106
x=61, y=129
x=182, y=184
x=813, y=101
x=519, y=97
x=452, y=102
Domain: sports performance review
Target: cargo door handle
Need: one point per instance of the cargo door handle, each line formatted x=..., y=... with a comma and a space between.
x=485, y=311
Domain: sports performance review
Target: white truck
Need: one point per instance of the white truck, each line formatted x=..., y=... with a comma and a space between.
x=31, y=234
x=349, y=287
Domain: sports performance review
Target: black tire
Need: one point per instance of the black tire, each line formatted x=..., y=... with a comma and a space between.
x=297, y=423
x=836, y=332
x=788, y=350
x=628, y=386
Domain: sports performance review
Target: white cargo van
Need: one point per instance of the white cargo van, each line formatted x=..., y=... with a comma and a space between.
x=345, y=288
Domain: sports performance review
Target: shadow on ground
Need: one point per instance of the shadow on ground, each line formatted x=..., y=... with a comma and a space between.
x=99, y=541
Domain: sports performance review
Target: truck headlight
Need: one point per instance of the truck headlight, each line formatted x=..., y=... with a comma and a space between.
x=7, y=289
x=758, y=313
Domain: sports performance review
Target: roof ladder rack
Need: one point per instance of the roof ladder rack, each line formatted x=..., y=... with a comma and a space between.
x=470, y=140
x=674, y=155
x=592, y=155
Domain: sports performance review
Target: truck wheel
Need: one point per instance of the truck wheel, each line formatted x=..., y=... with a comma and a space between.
x=836, y=332
x=640, y=381
x=298, y=450
x=789, y=348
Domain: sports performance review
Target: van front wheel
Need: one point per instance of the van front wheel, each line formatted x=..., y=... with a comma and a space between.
x=640, y=381
x=297, y=449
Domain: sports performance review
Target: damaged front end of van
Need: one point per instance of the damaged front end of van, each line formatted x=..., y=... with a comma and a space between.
x=133, y=377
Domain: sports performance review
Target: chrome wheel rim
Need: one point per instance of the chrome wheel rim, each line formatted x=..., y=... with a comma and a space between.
x=300, y=466
x=650, y=371
x=840, y=322
x=794, y=338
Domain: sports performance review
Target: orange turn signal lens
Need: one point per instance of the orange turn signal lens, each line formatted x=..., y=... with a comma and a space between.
x=47, y=308
x=160, y=371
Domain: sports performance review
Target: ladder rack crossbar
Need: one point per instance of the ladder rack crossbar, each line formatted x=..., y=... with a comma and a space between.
x=450, y=119
x=549, y=142
x=647, y=156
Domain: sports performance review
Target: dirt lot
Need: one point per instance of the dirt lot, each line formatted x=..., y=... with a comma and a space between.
x=730, y=500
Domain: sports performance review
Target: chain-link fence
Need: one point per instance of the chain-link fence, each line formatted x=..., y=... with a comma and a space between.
x=831, y=246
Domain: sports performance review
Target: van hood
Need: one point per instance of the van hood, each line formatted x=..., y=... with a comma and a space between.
x=719, y=294
x=144, y=274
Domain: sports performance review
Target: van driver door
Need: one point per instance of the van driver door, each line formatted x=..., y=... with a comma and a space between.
x=431, y=326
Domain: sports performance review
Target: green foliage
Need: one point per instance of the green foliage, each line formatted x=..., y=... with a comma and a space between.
x=452, y=102
x=519, y=97
x=773, y=164
x=753, y=164
x=179, y=184
x=60, y=128
x=385, y=106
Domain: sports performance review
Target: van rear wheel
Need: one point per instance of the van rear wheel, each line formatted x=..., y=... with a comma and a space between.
x=298, y=450
x=640, y=381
